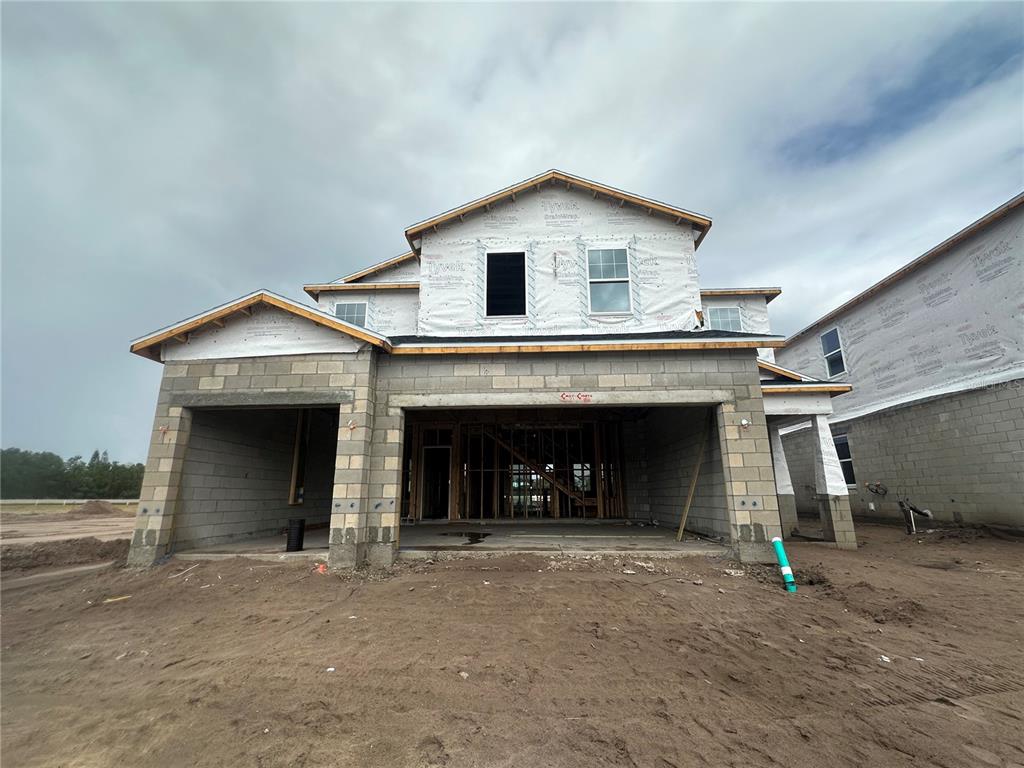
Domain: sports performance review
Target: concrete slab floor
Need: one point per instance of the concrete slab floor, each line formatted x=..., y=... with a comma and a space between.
x=467, y=537
x=547, y=536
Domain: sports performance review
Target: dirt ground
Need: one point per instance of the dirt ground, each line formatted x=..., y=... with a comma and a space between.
x=908, y=652
x=58, y=554
x=98, y=519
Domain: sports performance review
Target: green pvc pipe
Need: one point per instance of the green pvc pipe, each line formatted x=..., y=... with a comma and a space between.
x=787, y=572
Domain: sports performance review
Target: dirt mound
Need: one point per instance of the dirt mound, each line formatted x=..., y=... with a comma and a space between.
x=884, y=605
x=805, y=575
x=100, y=508
x=46, y=554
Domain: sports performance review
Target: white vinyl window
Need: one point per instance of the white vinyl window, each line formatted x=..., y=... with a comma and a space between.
x=352, y=312
x=832, y=349
x=724, y=319
x=608, y=270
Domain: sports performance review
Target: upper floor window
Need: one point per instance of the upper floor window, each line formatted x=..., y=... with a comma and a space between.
x=609, y=281
x=845, y=458
x=506, y=284
x=354, y=313
x=833, y=351
x=724, y=319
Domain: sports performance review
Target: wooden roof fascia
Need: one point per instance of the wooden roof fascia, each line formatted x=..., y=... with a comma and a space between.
x=150, y=345
x=925, y=258
x=779, y=370
x=702, y=222
x=812, y=387
x=379, y=267
x=768, y=293
x=316, y=289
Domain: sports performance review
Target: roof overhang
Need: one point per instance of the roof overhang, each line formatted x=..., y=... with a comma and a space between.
x=149, y=345
x=803, y=387
x=702, y=223
x=316, y=289
x=380, y=266
x=768, y=293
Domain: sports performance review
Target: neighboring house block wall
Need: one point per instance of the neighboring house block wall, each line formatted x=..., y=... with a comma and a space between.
x=959, y=456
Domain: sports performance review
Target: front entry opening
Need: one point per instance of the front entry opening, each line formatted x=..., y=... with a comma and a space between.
x=436, y=482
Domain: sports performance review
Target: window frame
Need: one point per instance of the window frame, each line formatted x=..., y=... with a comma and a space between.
x=839, y=350
x=366, y=312
x=628, y=280
x=526, y=267
x=846, y=439
x=739, y=314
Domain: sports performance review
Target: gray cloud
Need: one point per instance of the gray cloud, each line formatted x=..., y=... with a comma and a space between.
x=159, y=159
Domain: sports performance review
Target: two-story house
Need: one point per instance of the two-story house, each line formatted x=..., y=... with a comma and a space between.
x=935, y=355
x=542, y=353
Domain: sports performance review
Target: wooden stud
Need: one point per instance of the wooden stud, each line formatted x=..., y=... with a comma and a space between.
x=705, y=438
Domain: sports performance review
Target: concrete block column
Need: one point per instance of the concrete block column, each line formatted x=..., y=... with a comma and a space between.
x=833, y=497
x=350, y=496
x=161, y=485
x=750, y=493
x=385, y=485
x=783, y=484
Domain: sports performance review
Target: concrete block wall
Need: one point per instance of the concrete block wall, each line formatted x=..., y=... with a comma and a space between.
x=799, y=449
x=634, y=449
x=961, y=455
x=749, y=496
x=326, y=380
x=236, y=477
x=673, y=438
x=367, y=387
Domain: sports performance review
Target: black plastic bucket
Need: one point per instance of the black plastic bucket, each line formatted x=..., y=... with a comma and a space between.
x=296, y=532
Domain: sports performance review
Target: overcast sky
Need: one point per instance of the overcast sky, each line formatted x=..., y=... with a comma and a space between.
x=159, y=159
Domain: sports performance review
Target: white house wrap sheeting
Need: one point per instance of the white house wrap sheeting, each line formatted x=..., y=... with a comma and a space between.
x=555, y=228
x=954, y=324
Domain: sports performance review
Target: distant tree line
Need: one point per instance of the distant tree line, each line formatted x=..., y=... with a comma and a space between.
x=44, y=475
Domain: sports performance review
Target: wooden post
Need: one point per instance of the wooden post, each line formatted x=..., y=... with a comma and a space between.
x=705, y=438
x=598, y=467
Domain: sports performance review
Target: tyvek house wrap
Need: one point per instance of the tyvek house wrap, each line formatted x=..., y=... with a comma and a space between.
x=555, y=228
x=753, y=316
x=956, y=323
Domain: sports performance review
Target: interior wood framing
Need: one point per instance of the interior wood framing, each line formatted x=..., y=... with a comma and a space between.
x=515, y=465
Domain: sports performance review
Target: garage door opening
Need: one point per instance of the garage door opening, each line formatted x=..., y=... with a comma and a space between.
x=248, y=471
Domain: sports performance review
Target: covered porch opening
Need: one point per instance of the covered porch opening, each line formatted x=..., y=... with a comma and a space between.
x=514, y=465
x=582, y=478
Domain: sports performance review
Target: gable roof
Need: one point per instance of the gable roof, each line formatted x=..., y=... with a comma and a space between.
x=702, y=223
x=149, y=345
x=925, y=258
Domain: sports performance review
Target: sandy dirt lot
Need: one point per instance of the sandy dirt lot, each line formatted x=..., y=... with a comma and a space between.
x=29, y=524
x=900, y=654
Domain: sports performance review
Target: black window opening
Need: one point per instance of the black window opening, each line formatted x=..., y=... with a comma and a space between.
x=506, y=284
x=845, y=458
